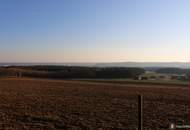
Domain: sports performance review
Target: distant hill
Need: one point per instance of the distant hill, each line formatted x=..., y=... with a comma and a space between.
x=48, y=63
x=146, y=64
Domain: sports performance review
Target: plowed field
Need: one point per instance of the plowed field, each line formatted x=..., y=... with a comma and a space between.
x=39, y=104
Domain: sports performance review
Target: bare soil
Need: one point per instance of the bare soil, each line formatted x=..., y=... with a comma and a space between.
x=37, y=104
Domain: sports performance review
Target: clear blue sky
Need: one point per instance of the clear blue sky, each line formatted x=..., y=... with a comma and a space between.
x=94, y=30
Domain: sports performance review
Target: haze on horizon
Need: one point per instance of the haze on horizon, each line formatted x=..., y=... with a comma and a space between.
x=94, y=30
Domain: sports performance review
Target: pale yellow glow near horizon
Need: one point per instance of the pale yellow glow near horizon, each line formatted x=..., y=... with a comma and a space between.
x=98, y=55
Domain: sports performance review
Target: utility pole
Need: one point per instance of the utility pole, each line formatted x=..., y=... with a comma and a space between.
x=140, y=112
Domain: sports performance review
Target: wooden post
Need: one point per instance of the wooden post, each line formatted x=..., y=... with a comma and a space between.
x=140, y=112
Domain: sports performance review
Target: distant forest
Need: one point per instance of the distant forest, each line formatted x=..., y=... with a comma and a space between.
x=173, y=71
x=61, y=72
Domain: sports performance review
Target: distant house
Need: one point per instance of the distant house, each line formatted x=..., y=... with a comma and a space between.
x=164, y=77
x=179, y=77
x=154, y=76
x=141, y=78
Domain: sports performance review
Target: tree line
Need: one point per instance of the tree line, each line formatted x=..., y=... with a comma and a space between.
x=72, y=72
x=173, y=71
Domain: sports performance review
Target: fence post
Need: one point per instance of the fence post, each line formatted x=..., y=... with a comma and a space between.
x=140, y=112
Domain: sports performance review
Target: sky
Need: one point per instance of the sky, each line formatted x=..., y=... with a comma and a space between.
x=94, y=30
